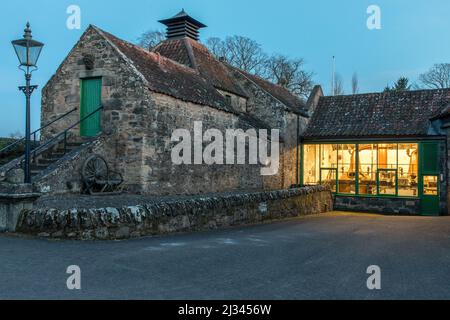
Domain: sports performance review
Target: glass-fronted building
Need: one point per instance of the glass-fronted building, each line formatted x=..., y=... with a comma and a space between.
x=382, y=152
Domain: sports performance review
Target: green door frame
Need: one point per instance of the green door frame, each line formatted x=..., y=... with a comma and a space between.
x=90, y=100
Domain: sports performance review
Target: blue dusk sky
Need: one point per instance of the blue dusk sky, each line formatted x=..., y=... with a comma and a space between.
x=414, y=35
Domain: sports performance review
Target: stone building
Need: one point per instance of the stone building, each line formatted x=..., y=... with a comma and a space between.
x=147, y=94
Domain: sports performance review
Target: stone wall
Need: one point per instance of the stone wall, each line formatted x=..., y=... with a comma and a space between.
x=185, y=214
x=14, y=198
x=394, y=206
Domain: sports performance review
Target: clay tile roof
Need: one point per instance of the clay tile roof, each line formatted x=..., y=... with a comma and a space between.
x=193, y=54
x=166, y=76
x=175, y=50
x=377, y=114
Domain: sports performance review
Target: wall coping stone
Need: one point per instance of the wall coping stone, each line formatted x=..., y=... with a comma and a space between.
x=175, y=215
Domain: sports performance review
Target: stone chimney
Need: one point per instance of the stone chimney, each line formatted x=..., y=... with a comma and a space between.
x=182, y=26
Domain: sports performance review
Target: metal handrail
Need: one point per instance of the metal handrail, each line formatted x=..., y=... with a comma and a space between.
x=33, y=134
x=64, y=133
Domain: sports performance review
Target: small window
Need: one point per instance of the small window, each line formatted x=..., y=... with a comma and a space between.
x=430, y=185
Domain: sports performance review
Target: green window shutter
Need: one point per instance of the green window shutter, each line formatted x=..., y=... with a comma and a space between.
x=91, y=100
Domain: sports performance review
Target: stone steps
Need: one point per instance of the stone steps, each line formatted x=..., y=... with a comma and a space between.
x=51, y=156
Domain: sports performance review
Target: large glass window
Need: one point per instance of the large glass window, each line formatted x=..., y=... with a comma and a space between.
x=387, y=182
x=387, y=156
x=408, y=169
x=347, y=168
x=328, y=156
x=311, y=169
x=389, y=169
x=328, y=178
x=328, y=165
x=367, y=169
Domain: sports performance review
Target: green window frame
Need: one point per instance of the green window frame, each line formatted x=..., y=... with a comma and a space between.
x=379, y=171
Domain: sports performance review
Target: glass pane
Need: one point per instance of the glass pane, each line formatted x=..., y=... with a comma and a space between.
x=311, y=162
x=21, y=52
x=387, y=156
x=368, y=169
x=387, y=182
x=329, y=178
x=430, y=185
x=347, y=168
x=328, y=156
x=408, y=170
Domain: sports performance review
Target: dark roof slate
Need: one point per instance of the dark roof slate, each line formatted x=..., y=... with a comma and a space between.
x=377, y=114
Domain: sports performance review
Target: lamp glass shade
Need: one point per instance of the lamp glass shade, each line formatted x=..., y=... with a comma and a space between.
x=28, y=51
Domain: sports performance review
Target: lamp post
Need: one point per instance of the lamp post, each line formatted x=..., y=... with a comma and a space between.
x=28, y=51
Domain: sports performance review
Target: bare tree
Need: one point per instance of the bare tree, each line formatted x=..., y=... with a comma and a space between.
x=355, y=83
x=338, y=85
x=151, y=38
x=217, y=47
x=289, y=73
x=438, y=77
x=241, y=52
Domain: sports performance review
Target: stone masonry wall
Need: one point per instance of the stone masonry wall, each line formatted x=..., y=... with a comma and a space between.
x=267, y=108
x=394, y=206
x=122, y=92
x=161, y=176
x=196, y=213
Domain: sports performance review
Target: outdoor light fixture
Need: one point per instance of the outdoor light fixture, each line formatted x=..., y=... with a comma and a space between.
x=27, y=49
x=28, y=52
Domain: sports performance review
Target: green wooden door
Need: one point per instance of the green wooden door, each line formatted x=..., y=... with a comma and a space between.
x=429, y=178
x=91, y=100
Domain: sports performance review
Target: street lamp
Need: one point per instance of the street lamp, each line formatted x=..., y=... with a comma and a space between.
x=28, y=51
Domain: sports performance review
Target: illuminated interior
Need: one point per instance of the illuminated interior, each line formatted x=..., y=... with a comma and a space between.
x=389, y=169
x=430, y=185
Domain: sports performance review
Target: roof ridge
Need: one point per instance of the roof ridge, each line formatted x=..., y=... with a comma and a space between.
x=387, y=93
x=191, y=54
x=123, y=55
x=151, y=53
